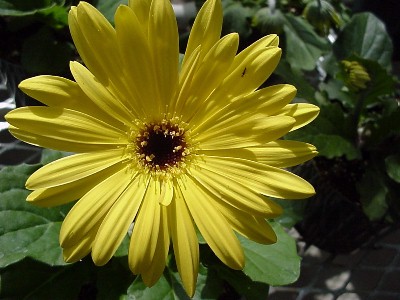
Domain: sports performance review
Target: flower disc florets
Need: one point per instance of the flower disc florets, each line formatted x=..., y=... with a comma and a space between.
x=162, y=148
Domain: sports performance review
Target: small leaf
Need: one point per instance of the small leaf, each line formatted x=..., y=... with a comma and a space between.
x=304, y=45
x=366, y=36
x=393, y=167
x=276, y=264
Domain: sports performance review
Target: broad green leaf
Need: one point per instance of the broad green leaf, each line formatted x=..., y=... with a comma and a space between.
x=108, y=8
x=243, y=285
x=236, y=19
x=304, y=46
x=49, y=155
x=15, y=177
x=26, y=230
x=123, y=248
x=373, y=192
x=388, y=125
x=331, y=145
x=113, y=279
x=380, y=84
x=335, y=91
x=43, y=54
x=56, y=16
x=366, y=36
x=292, y=212
x=296, y=77
x=393, y=167
x=169, y=287
x=276, y=264
x=31, y=280
x=26, y=7
x=332, y=133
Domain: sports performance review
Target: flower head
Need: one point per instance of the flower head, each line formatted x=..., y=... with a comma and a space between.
x=162, y=150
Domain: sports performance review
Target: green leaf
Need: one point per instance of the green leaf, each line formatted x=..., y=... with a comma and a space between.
x=335, y=91
x=242, y=284
x=26, y=7
x=111, y=280
x=15, y=177
x=296, y=77
x=393, y=167
x=26, y=230
x=331, y=132
x=43, y=54
x=169, y=287
x=365, y=35
x=293, y=212
x=108, y=8
x=276, y=264
x=30, y=279
x=381, y=83
x=49, y=155
x=304, y=45
x=373, y=192
x=236, y=19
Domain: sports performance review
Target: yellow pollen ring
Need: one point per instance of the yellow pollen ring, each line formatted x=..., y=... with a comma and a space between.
x=162, y=149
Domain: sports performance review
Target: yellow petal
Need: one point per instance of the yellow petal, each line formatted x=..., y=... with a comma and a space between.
x=157, y=266
x=264, y=179
x=141, y=9
x=65, y=193
x=213, y=226
x=265, y=101
x=271, y=40
x=95, y=40
x=60, y=92
x=255, y=228
x=73, y=168
x=92, y=207
x=206, y=29
x=235, y=193
x=247, y=75
x=303, y=113
x=240, y=131
x=115, y=225
x=136, y=54
x=145, y=232
x=69, y=127
x=184, y=239
x=280, y=153
x=211, y=71
x=82, y=248
x=164, y=41
x=166, y=193
x=99, y=94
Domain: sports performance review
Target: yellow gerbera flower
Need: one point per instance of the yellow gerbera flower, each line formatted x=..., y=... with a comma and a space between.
x=164, y=149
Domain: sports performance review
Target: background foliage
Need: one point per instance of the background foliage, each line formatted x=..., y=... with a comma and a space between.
x=356, y=175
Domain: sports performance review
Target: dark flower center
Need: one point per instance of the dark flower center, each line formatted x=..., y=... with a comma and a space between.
x=161, y=145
